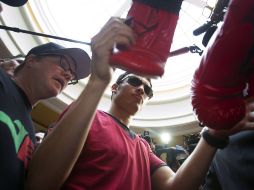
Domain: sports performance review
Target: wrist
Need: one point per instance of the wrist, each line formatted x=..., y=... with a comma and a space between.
x=94, y=79
x=213, y=139
x=217, y=133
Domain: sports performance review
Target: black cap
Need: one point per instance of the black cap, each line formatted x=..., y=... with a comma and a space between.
x=14, y=3
x=79, y=56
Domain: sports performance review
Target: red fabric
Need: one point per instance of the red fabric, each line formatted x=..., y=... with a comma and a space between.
x=111, y=159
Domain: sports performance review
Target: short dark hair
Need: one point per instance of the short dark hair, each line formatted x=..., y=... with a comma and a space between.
x=121, y=77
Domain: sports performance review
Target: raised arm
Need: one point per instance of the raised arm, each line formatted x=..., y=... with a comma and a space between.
x=55, y=157
x=192, y=173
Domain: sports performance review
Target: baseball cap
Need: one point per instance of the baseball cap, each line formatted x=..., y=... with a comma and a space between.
x=79, y=56
x=14, y=3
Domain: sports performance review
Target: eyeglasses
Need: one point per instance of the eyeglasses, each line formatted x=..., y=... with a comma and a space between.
x=65, y=65
x=136, y=82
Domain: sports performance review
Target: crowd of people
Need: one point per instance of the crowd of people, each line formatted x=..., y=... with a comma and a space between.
x=94, y=149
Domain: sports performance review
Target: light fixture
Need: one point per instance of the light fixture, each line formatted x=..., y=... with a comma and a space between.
x=165, y=138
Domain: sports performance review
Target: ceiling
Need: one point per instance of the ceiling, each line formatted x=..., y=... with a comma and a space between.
x=170, y=109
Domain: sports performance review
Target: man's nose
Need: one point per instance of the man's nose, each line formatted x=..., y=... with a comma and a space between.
x=141, y=89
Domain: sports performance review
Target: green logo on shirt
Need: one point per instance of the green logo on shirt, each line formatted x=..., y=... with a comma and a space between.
x=23, y=145
x=17, y=135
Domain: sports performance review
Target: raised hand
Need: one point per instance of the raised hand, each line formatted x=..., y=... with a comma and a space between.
x=113, y=33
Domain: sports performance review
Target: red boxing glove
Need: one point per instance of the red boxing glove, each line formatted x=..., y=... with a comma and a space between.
x=154, y=22
x=218, y=83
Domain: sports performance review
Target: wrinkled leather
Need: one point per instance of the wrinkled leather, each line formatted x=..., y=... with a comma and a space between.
x=155, y=29
x=226, y=69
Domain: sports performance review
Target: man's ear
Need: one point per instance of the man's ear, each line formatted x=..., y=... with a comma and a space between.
x=114, y=88
x=30, y=60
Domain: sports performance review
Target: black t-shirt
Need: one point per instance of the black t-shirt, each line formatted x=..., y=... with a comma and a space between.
x=16, y=134
x=232, y=167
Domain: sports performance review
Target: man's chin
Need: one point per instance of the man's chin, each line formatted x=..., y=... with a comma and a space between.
x=54, y=92
x=136, y=109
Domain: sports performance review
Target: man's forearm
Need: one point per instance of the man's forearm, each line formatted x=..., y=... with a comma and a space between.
x=192, y=173
x=56, y=156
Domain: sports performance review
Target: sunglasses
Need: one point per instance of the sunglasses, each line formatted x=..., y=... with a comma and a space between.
x=136, y=82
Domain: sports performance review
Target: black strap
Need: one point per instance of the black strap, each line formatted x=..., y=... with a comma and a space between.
x=214, y=141
x=173, y=6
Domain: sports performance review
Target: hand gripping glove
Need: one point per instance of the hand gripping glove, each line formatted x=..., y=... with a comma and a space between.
x=154, y=22
x=218, y=83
